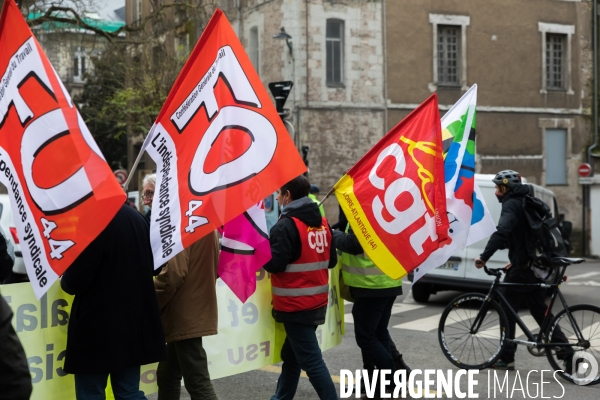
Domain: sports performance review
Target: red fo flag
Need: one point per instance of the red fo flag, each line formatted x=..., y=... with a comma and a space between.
x=394, y=197
x=218, y=142
x=62, y=191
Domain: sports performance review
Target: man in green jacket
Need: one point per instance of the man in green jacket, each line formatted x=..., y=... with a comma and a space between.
x=312, y=194
x=374, y=294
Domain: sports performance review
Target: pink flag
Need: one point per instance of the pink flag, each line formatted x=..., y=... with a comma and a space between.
x=245, y=249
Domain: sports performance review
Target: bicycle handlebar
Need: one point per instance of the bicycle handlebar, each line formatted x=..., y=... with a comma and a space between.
x=494, y=271
x=556, y=262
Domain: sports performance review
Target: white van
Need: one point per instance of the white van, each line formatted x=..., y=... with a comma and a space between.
x=459, y=273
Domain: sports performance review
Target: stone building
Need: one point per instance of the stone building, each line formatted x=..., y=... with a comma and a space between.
x=335, y=57
x=163, y=34
x=71, y=49
x=360, y=66
x=532, y=61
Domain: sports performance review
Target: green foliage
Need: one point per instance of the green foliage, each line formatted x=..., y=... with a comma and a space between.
x=124, y=94
x=105, y=121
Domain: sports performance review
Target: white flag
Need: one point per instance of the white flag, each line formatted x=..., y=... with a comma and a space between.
x=469, y=218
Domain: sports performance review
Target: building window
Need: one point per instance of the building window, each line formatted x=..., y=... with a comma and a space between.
x=556, y=57
x=76, y=66
x=556, y=157
x=137, y=12
x=448, y=45
x=335, y=51
x=253, y=51
x=80, y=66
x=449, y=50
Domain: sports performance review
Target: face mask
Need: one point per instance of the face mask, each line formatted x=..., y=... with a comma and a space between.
x=500, y=197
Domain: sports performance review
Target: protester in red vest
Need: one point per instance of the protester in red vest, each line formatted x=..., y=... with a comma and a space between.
x=301, y=254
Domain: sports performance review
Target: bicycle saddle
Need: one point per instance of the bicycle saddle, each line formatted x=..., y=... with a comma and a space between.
x=561, y=261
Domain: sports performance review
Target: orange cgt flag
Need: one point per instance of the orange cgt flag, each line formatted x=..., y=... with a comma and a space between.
x=218, y=142
x=62, y=191
x=394, y=197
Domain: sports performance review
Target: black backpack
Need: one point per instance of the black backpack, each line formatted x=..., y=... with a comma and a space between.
x=544, y=239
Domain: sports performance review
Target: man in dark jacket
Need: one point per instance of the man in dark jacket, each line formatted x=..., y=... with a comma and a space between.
x=115, y=324
x=15, y=379
x=7, y=260
x=301, y=253
x=511, y=233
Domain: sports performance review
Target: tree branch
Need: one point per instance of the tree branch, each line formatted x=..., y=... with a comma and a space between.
x=76, y=20
x=72, y=17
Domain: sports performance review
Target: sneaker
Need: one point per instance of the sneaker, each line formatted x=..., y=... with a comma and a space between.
x=503, y=365
x=400, y=364
x=569, y=366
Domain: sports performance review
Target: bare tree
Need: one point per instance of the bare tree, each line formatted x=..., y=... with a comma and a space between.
x=134, y=75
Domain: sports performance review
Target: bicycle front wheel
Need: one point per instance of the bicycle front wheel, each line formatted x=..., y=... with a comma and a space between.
x=581, y=369
x=472, y=350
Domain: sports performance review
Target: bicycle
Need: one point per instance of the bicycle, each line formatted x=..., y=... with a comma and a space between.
x=473, y=328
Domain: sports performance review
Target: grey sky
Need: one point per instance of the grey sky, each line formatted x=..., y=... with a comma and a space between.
x=106, y=8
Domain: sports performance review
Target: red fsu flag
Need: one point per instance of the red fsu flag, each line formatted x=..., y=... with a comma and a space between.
x=62, y=191
x=218, y=142
x=394, y=197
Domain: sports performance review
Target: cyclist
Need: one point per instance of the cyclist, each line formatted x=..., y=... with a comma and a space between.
x=511, y=233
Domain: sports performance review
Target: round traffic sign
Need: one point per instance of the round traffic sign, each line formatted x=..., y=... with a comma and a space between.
x=121, y=176
x=584, y=170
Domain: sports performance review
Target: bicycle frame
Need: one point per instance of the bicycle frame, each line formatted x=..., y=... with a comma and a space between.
x=494, y=293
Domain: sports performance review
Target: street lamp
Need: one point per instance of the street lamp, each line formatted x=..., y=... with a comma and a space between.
x=283, y=35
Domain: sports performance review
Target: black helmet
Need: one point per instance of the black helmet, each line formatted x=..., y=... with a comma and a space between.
x=508, y=177
x=314, y=189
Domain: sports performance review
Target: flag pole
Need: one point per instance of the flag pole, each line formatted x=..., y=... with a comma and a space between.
x=327, y=195
x=135, y=164
x=139, y=156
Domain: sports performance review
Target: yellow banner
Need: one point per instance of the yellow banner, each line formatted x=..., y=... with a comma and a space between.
x=366, y=235
x=248, y=336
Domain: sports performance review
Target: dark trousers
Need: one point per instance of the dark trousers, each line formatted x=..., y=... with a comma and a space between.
x=369, y=365
x=185, y=359
x=125, y=385
x=301, y=351
x=536, y=301
x=371, y=317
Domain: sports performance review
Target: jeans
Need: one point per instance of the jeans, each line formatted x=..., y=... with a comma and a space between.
x=125, y=385
x=371, y=317
x=187, y=359
x=301, y=351
x=535, y=298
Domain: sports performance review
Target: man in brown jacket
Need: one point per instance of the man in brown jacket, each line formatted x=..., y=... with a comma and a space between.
x=187, y=298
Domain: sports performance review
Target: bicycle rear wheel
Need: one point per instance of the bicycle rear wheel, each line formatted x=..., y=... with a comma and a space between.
x=580, y=370
x=459, y=345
